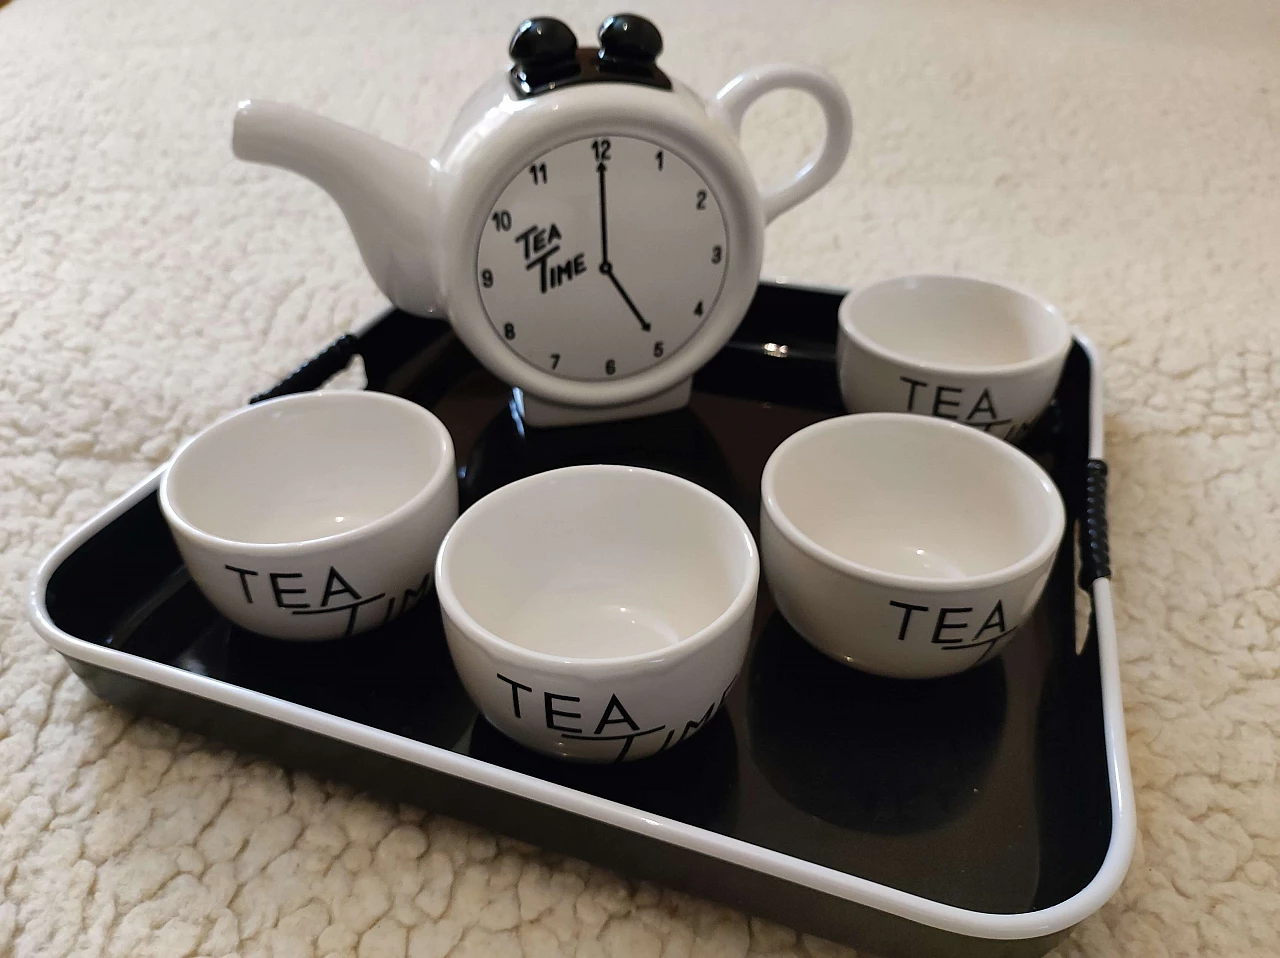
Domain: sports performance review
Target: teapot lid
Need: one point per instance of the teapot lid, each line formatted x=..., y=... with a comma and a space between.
x=546, y=55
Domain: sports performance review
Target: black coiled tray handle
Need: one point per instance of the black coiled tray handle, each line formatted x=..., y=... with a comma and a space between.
x=1095, y=551
x=315, y=372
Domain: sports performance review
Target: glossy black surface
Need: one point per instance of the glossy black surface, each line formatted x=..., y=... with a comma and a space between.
x=546, y=56
x=543, y=49
x=629, y=37
x=986, y=790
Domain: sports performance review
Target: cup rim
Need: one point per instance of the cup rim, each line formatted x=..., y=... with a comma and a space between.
x=1043, y=360
x=444, y=472
x=455, y=611
x=1044, y=549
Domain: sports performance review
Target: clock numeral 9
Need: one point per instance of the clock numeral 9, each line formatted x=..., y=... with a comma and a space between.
x=657, y=348
x=702, y=199
x=716, y=254
x=502, y=221
x=601, y=148
x=539, y=173
x=486, y=278
x=509, y=331
x=610, y=367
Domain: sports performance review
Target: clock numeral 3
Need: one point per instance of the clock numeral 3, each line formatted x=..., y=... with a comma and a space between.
x=601, y=148
x=502, y=221
x=716, y=254
x=610, y=367
x=486, y=278
x=509, y=331
x=702, y=199
x=555, y=360
x=657, y=348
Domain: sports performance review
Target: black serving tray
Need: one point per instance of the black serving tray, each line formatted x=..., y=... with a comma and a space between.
x=983, y=814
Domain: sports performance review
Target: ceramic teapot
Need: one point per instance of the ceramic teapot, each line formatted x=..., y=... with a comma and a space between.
x=589, y=226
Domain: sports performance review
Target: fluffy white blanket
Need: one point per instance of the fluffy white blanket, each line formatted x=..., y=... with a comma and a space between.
x=1119, y=158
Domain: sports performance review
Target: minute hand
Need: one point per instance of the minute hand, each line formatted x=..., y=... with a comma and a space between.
x=604, y=224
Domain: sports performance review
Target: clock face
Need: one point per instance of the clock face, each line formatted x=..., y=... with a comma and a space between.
x=602, y=257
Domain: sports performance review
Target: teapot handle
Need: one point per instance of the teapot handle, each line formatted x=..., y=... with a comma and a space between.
x=736, y=97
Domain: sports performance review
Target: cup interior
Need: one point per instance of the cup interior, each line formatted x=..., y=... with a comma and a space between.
x=307, y=467
x=953, y=321
x=597, y=562
x=912, y=497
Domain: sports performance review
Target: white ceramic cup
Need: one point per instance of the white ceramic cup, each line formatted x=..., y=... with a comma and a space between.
x=598, y=613
x=957, y=348
x=906, y=546
x=315, y=516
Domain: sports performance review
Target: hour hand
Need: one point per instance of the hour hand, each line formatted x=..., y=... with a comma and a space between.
x=607, y=268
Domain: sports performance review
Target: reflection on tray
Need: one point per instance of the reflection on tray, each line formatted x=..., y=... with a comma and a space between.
x=398, y=678
x=694, y=782
x=675, y=442
x=864, y=752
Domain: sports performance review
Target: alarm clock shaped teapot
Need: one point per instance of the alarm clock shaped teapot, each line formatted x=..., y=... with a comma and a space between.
x=590, y=226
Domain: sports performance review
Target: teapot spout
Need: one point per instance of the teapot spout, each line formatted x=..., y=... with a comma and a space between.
x=385, y=192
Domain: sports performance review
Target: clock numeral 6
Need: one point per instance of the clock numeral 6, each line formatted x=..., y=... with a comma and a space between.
x=502, y=221
x=509, y=331
x=486, y=278
x=610, y=367
x=657, y=348
x=716, y=254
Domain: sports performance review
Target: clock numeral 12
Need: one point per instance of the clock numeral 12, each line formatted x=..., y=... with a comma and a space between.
x=539, y=173
x=601, y=148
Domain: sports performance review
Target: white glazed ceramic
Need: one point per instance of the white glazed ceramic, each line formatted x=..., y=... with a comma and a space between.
x=628, y=306
x=314, y=516
x=598, y=613
x=957, y=348
x=904, y=545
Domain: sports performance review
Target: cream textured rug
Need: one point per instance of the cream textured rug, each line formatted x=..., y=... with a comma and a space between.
x=1122, y=159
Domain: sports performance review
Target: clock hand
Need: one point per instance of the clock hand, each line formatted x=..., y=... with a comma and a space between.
x=607, y=269
x=604, y=226
x=605, y=266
